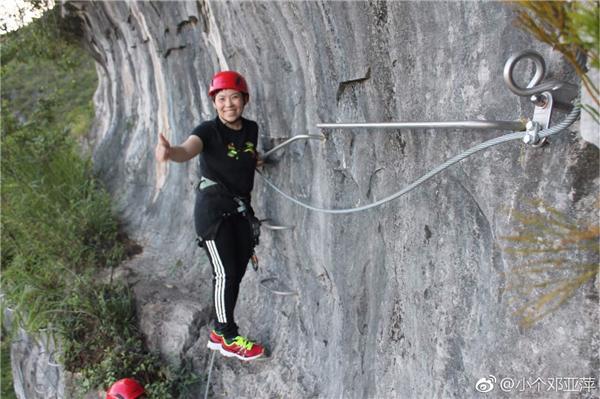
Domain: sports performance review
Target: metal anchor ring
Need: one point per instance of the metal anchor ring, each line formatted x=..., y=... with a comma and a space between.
x=563, y=91
x=540, y=72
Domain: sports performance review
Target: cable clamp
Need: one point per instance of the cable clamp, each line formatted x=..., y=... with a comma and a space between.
x=532, y=136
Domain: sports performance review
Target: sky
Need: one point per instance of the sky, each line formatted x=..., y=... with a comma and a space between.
x=16, y=13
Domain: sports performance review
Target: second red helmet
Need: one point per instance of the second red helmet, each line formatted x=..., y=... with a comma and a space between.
x=227, y=80
x=127, y=388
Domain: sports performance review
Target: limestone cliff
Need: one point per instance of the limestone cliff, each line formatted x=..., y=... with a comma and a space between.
x=408, y=300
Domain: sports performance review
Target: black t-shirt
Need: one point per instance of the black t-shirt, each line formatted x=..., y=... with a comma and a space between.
x=229, y=156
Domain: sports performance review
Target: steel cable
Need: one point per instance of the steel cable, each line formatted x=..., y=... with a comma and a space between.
x=564, y=124
x=210, y=368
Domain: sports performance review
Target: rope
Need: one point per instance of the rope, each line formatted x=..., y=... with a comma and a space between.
x=564, y=124
x=212, y=360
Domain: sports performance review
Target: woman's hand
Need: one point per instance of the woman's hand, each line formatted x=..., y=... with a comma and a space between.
x=163, y=148
x=259, y=161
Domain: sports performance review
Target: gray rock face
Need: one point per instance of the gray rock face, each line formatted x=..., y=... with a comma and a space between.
x=409, y=300
x=36, y=372
x=589, y=127
x=36, y=368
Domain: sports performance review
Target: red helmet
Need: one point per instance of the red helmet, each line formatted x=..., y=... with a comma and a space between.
x=227, y=80
x=127, y=388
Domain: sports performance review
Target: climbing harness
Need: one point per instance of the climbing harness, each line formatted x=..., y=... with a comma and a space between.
x=242, y=209
x=205, y=183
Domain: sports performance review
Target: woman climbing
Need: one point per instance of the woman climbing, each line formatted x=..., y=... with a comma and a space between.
x=223, y=217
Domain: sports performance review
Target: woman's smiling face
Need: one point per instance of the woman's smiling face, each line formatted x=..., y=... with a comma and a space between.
x=229, y=104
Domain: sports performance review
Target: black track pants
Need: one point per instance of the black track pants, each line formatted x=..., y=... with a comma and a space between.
x=229, y=254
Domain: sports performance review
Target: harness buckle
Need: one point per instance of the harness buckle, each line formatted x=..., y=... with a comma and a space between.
x=205, y=183
x=241, y=205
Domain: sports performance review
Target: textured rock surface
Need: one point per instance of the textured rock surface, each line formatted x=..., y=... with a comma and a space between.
x=36, y=371
x=35, y=364
x=589, y=128
x=408, y=300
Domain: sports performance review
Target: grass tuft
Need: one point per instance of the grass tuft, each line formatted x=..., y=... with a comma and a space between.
x=556, y=257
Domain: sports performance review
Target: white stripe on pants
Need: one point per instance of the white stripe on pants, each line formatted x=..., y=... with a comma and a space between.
x=219, y=281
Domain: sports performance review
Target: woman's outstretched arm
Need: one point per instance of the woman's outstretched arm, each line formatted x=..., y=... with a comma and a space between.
x=164, y=151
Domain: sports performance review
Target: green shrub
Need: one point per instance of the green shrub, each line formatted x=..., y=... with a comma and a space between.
x=6, y=383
